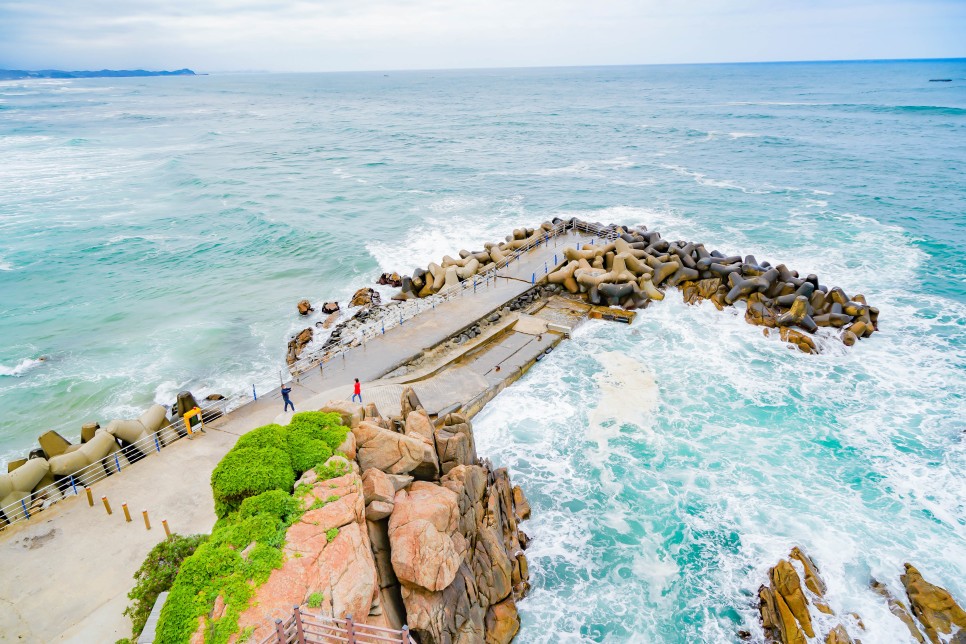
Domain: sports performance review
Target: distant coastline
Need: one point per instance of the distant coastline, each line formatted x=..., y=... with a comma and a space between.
x=20, y=74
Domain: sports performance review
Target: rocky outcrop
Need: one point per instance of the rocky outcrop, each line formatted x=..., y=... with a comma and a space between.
x=785, y=607
x=330, y=307
x=380, y=448
x=443, y=528
x=304, y=307
x=390, y=279
x=934, y=607
x=328, y=557
x=297, y=344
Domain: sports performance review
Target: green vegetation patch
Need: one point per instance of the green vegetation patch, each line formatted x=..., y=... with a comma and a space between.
x=252, y=489
x=157, y=574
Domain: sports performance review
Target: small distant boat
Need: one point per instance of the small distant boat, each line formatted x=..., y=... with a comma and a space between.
x=940, y=80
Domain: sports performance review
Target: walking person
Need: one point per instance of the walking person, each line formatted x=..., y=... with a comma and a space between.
x=288, y=401
x=357, y=392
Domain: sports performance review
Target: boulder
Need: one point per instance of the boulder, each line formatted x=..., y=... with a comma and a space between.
x=502, y=622
x=386, y=450
x=521, y=506
x=304, y=307
x=390, y=279
x=454, y=443
x=449, y=616
x=420, y=535
x=352, y=413
x=365, y=297
x=330, y=307
x=376, y=486
x=409, y=402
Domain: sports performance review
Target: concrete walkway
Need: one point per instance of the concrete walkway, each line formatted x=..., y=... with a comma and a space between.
x=67, y=572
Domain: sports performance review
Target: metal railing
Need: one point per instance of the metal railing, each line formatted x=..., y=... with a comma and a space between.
x=305, y=628
x=372, y=330
x=113, y=464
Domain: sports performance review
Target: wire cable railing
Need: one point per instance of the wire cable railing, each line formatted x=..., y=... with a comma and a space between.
x=32, y=503
x=302, y=627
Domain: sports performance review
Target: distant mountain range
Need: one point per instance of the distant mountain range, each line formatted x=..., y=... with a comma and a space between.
x=18, y=74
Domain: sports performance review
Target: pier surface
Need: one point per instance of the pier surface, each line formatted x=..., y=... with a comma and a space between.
x=67, y=572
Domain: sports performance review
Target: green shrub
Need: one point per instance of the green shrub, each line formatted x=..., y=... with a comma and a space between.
x=247, y=472
x=264, y=436
x=157, y=574
x=306, y=452
x=328, y=426
x=315, y=600
x=335, y=470
x=331, y=534
x=277, y=503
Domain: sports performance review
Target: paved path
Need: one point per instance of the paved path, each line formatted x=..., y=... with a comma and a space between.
x=66, y=573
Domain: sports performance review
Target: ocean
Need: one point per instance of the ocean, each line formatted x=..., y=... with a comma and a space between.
x=156, y=234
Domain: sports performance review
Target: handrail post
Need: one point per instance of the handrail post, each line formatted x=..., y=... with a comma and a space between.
x=297, y=614
x=280, y=631
x=350, y=630
x=405, y=634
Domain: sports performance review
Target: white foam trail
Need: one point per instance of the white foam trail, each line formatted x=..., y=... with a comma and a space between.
x=21, y=368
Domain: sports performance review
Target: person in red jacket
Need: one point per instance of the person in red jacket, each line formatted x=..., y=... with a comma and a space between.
x=357, y=391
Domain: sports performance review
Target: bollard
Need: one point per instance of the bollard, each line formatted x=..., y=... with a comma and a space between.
x=147, y=522
x=107, y=505
x=167, y=530
x=90, y=497
x=127, y=514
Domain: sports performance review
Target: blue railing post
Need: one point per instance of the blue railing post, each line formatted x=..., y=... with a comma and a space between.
x=24, y=506
x=384, y=328
x=555, y=262
x=157, y=444
x=533, y=278
x=254, y=395
x=73, y=485
x=117, y=462
x=545, y=268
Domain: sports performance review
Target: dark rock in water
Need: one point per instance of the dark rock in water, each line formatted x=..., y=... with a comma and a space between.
x=214, y=397
x=330, y=307
x=390, y=279
x=305, y=307
x=940, y=80
x=297, y=344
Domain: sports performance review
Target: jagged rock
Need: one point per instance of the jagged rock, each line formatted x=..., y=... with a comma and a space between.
x=785, y=582
x=454, y=443
x=813, y=581
x=409, y=402
x=297, y=344
x=897, y=608
x=329, y=320
x=376, y=486
x=330, y=307
x=520, y=504
x=365, y=297
x=451, y=616
x=502, y=622
x=348, y=446
x=419, y=426
x=305, y=307
x=932, y=605
x=386, y=450
x=378, y=510
x=838, y=635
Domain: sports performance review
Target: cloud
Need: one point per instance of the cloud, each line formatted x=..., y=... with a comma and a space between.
x=326, y=35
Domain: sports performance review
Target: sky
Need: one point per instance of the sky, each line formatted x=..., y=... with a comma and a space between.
x=349, y=35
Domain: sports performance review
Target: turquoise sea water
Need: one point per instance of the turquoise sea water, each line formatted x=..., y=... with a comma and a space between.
x=155, y=234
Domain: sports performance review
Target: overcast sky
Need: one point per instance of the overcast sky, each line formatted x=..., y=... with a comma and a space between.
x=329, y=35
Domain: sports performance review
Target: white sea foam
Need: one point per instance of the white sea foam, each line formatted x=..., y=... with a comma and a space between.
x=22, y=368
x=667, y=521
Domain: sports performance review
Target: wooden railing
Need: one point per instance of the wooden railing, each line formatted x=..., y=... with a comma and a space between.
x=304, y=628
